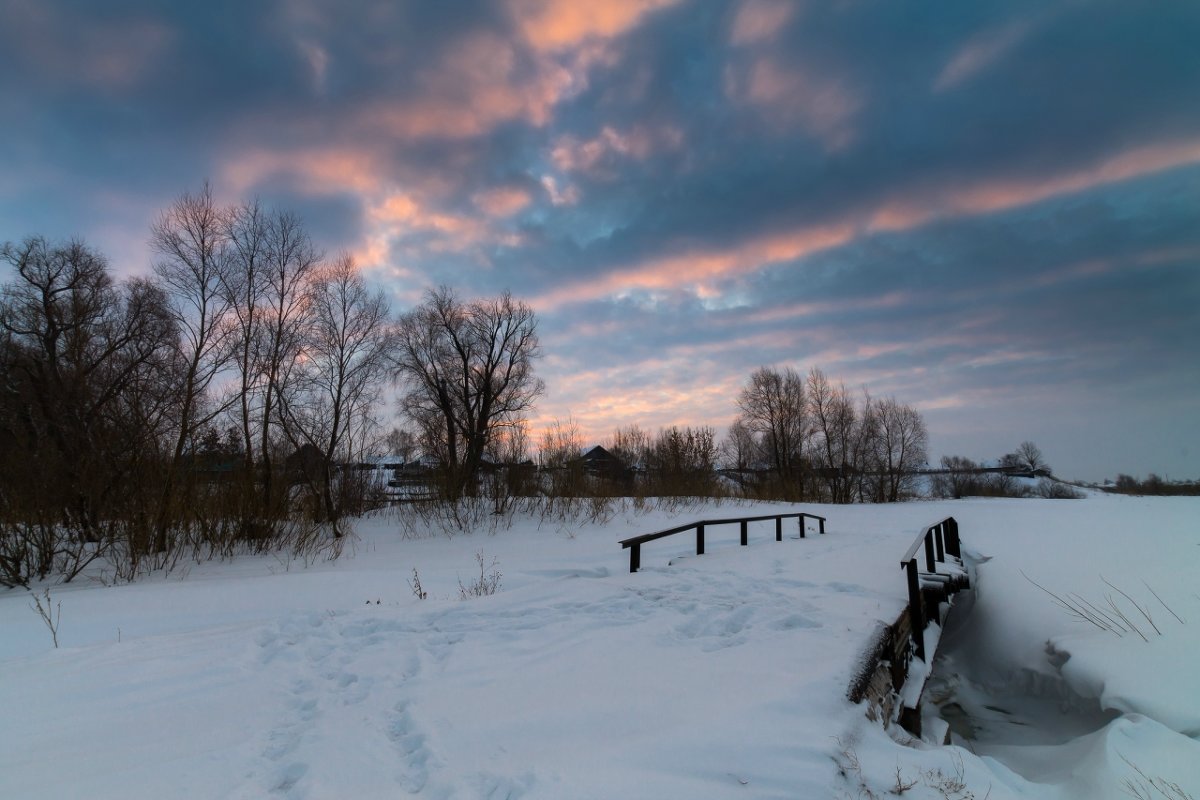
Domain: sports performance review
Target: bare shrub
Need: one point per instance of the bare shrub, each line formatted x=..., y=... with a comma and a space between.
x=415, y=584
x=49, y=613
x=487, y=583
x=1054, y=490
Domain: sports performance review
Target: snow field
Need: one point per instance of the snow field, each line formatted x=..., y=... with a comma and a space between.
x=714, y=676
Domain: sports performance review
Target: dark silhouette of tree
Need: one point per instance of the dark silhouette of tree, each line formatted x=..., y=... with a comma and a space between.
x=774, y=408
x=344, y=365
x=87, y=394
x=194, y=260
x=468, y=371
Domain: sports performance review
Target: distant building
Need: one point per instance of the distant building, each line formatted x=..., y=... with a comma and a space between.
x=603, y=464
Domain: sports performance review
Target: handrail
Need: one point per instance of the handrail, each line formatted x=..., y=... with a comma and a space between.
x=634, y=543
x=939, y=540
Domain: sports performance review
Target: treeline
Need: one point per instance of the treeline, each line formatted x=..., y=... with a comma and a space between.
x=219, y=404
x=807, y=438
x=113, y=393
x=1154, y=485
x=796, y=438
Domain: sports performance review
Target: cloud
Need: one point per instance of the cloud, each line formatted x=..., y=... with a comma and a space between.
x=502, y=201
x=557, y=25
x=820, y=103
x=760, y=20
x=694, y=268
x=991, y=194
x=981, y=52
x=596, y=155
x=75, y=47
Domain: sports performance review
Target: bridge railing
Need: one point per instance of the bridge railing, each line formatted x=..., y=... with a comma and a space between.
x=938, y=541
x=634, y=543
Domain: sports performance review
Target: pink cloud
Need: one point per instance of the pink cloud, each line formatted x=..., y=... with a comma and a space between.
x=981, y=51
x=557, y=25
x=991, y=195
x=759, y=20
x=565, y=196
x=503, y=201
x=799, y=310
x=694, y=268
x=316, y=169
x=571, y=154
x=821, y=104
x=473, y=88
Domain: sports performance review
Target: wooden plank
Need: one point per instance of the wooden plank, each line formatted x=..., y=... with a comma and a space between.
x=916, y=611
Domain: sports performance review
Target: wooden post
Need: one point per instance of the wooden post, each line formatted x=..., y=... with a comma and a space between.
x=635, y=556
x=953, y=546
x=745, y=536
x=929, y=565
x=801, y=521
x=699, y=540
x=938, y=540
x=779, y=529
x=821, y=523
x=916, y=614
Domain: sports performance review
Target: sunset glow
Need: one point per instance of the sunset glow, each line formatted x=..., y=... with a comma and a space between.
x=988, y=212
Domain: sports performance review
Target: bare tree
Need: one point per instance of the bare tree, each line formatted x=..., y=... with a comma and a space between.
x=630, y=444
x=343, y=368
x=834, y=417
x=246, y=229
x=682, y=461
x=739, y=448
x=559, y=458
x=468, y=368
x=1031, y=457
x=402, y=443
x=960, y=477
x=773, y=407
x=290, y=262
x=191, y=238
x=561, y=444
x=902, y=442
x=87, y=373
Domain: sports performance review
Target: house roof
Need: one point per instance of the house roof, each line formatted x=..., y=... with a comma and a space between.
x=598, y=453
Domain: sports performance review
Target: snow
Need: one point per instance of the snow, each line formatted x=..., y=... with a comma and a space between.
x=712, y=676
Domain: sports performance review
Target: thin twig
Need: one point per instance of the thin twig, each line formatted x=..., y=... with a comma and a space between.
x=1071, y=608
x=1164, y=605
x=1113, y=605
x=1099, y=611
x=1145, y=613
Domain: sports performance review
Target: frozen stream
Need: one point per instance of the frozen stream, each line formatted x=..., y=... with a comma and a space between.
x=1028, y=721
x=990, y=716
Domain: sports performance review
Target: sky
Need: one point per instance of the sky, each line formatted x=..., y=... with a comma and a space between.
x=990, y=211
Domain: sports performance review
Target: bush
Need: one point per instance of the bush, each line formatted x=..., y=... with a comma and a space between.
x=1054, y=490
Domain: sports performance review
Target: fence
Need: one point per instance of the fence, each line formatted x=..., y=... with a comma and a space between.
x=634, y=543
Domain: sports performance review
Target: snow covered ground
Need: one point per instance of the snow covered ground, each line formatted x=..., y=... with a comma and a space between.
x=699, y=677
